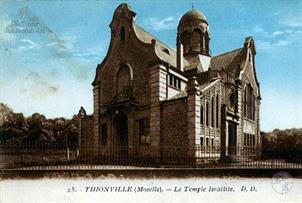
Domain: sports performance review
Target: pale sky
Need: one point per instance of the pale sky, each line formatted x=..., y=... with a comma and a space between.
x=49, y=65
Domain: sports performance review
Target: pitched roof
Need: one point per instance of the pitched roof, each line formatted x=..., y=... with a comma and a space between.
x=163, y=51
x=227, y=61
x=209, y=84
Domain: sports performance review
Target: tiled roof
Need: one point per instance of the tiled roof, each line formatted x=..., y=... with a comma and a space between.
x=163, y=51
x=228, y=60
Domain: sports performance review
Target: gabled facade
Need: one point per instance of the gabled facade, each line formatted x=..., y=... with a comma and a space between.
x=152, y=100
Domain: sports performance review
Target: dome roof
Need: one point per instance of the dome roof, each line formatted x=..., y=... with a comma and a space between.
x=192, y=16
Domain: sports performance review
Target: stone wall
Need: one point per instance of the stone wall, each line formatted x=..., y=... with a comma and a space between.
x=174, y=130
x=86, y=137
x=86, y=130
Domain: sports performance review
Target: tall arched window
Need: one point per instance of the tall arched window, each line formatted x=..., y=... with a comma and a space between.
x=212, y=112
x=245, y=99
x=123, y=34
x=249, y=102
x=217, y=111
x=201, y=114
x=123, y=78
x=185, y=39
x=207, y=113
x=232, y=99
x=196, y=40
x=207, y=39
x=254, y=107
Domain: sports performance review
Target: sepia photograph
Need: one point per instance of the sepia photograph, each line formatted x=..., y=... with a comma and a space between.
x=122, y=101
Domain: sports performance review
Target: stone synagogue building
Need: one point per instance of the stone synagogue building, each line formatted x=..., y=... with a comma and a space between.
x=185, y=104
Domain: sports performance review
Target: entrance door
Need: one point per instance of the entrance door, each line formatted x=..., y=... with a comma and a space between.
x=232, y=138
x=121, y=125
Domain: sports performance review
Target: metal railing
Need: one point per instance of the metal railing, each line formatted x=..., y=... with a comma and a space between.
x=64, y=155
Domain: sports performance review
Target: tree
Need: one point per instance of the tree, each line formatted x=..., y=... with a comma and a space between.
x=283, y=144
x=37, y=128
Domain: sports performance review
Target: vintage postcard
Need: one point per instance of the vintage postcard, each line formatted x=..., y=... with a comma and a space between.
x=122, y=101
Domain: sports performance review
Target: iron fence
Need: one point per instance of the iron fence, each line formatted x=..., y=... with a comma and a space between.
x=39, y=155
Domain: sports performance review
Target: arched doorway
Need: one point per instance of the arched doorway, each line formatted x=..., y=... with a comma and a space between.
x=121, y=131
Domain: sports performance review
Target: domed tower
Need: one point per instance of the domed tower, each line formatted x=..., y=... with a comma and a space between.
x=192, y=38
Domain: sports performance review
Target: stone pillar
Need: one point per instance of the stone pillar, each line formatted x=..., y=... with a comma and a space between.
x=180, y=56
x=239, y=144
x=158, y=80
x=194, y=131
x=96, y=117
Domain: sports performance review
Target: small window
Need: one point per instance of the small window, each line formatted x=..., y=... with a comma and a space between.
x=244, y=138
x=207, y=113
x=207, y=141
x=123, y=34
x=212, y=142
x=201, y=141
x=174, y=81
x=104, y=135
x=253, y=141
x=166, y=51
x=171, y=80
x=143, y=129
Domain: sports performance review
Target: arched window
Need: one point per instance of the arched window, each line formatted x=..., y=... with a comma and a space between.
x=245, y=99
x=201, y=114
x=249, y=102
x=185, y=39
x=207, y=39
x=212, y=112
x=254, y=108
x=123, y=78
x=123, y=34
x=232, y=99
x=207, y=113
x=217, y=111
x=196, y=40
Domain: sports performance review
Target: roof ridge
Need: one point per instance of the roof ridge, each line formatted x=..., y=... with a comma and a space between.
x=156, y=38
x=229, y=52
